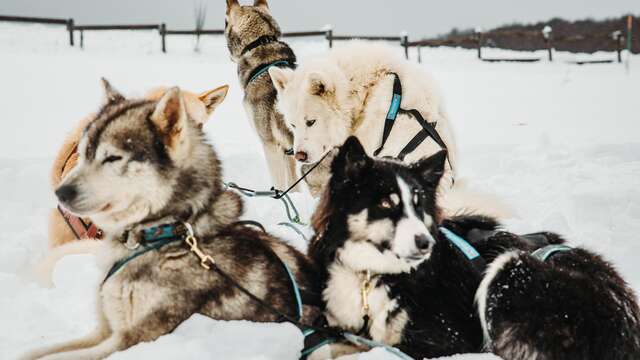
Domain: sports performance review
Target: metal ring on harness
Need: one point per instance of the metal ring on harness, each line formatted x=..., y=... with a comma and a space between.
x=290, y=208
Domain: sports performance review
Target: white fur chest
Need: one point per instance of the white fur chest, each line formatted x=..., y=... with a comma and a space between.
x=345, y=306
x=123, y=300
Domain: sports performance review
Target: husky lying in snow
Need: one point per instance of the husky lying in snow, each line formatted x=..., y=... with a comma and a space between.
x=199, y=108
x=391, y=273
x=144, y=172
x=349, y=92
x=252, y=38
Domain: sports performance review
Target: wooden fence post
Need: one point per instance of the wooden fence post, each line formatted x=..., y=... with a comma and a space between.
x=329, y=37
x=70, y=29
x=618, y=38
x=629, y=33
x=546, y=33
x=419, y=54
x=81, y=39
x=479, y=38
x=405, y=43
x=163, y=35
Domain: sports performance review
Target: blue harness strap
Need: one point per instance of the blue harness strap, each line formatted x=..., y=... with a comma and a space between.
x=546, y=252
x=264, y=68
x=296, y=289
x=154, y=238
x=465, y=248
x=392, y=113
x=359, y=340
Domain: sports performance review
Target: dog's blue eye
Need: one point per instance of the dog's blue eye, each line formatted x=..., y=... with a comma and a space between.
x=111, y=158
x=310, y=123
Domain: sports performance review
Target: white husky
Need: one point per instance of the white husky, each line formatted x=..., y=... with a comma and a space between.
x=349, y=92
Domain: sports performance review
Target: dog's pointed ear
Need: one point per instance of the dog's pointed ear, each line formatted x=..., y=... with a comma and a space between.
x=350, y=161
x=231, y=4
x=261, y=3
x=318, y=85
x=280, y=77
x=430, y=169
x=170, y=116
x=212, y=98
x=111, y=95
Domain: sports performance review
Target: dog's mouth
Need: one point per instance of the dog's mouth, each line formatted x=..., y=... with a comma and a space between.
x=417, y=258
x=86, y=211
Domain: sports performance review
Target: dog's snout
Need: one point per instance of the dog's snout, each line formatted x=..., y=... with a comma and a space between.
x=301, y=156
x=423, y=242
x=66, y=193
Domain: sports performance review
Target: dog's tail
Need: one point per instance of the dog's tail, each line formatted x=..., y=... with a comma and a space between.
x=462, y=199
x=43, y=271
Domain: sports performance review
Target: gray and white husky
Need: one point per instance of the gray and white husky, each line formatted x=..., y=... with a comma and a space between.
x=146, y=165
x=253, y=41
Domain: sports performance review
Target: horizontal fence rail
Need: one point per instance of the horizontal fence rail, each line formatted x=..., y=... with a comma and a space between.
x=195, y=32
x=294, y=34
x=41, y=20
x=366, y=37
x=33, y=20
x=117, y=27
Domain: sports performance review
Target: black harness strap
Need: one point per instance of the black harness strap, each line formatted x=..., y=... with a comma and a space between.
x=412, y=145
x=428, y=129
x=392, y=114
x=262, y=40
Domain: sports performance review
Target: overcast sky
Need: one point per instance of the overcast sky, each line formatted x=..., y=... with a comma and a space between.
x=385, y=17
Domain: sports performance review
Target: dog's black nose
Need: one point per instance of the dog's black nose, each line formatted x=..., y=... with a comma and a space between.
x=301, y=156
x=422, y=241
x=66, y=193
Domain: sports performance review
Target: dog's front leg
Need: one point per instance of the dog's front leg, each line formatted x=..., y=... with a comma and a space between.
x=334, y=351
x=279, y=166
x=100, y=351
x=102, y=332
x=89, y=341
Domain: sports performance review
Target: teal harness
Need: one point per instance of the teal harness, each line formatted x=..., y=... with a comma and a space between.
x=154, y=238
x=265, y=67
x=477, y=261
x=546, y=252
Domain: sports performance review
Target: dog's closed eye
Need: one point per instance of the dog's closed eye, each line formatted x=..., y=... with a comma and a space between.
x=292, y=126
x=111, y=158
x=310, y=123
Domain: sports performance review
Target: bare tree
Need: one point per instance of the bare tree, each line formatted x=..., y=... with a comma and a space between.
x=200, y=16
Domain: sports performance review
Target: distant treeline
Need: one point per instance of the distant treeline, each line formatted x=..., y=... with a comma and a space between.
x=584, y=36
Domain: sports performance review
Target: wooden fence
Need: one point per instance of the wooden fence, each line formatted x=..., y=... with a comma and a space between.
x=477, y=40
x=38, y=20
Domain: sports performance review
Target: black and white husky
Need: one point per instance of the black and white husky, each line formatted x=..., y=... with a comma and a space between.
x=397, y=272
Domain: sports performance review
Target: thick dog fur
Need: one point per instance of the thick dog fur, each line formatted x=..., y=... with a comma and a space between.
x=574, y=306
x=348, y=92
x=244, y=25
x=144, y=163
x=199, y=107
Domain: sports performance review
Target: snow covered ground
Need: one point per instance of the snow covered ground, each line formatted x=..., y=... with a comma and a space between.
x=559, y=143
